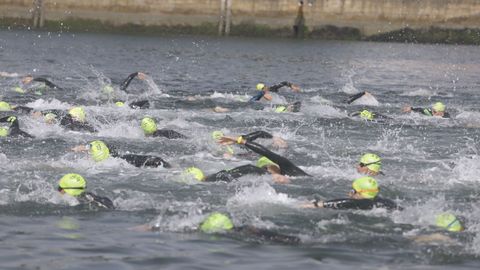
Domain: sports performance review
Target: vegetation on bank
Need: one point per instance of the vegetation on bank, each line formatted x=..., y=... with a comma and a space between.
x=327, y=32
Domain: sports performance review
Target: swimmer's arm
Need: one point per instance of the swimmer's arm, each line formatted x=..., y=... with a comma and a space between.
x=80, y=148
x=257, y=134
x=257, y=96
x=277, y=87
x=46, y=82
x=124, y=85
x=355, y=97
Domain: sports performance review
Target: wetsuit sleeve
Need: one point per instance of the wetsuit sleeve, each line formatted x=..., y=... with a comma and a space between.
x=113, y=150
x=235, y=173
x=257, y=134
x=355, y=97
x=169, y=134
x=257, y=96
x=286, y=166
x=96, y=201
x=68, y=122
x=348, y=203
x=423, y=111
x=145, y=161
x=386, y=203
x=46, y=82
x=446, y=115
x=14, y=129
x=276, y=87
x=141, y=104
x=22, y=109
x=127, y=81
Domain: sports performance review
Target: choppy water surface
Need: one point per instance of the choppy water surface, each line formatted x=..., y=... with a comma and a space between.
x=431, y=165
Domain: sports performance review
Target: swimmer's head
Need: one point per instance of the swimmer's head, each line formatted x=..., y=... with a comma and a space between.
x=216, y=223
x=119, y=104
x=77, y=113
x=4, y=131
x=99, y=151
x=370, y=164
x=72, y=184
x=281, y=109
x=5, y=107
x=260, y=86
x=438, y=107
x=27, y=79
x=449, y=222
x=264, y=161
x=367, y=115
x=148, y=125
x=217, y=134
x=196, y=173
x=107, y=89
x=366, y=187
x=50, y=118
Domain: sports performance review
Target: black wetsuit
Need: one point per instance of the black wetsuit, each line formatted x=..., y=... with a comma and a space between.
x=69, y=122
x=376, y=116
x=168, y=133
x=140, y=160
x=141, y=104
x=95, y=201
x=361, y=204
x=235, y=173
x=46, y=82
x=286, y=166
x=14, y=127
x=428, y=112
x=124, y=85
x=273, y=88
x=352, y=98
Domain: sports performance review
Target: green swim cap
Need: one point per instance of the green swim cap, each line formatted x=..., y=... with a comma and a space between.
x=260, y=86
x=196, y=172
x=439, y=107
x=148, y=125
x=4, y=131
x=264, y=161
x=367, y=115
x=107, y=89
x=366, y=186
x=217, y=134
x=448, y=221
x=73, y=184
x=99, y=151
x=215, y=223
x=18, y=89
x=50, y=117
x=5, y=107
x=371, y=161
x=119, y=104
x=78, y=113
x=281, y=109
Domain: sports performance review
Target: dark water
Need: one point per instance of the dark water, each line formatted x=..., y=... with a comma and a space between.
x=431, y=165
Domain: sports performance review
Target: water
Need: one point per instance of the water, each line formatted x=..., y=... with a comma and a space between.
x=431, y=165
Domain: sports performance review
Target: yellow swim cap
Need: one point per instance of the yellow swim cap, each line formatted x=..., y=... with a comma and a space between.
x=77, y=113
x=217, y=134
x=4, y=131
x=367, y=115
x=50, y=117
x=99, y=151
x=215, y=223
x=264, y=161
x=439, y=107
x=366, y=186
x=18, y=89
x=148, y=125
x=448, y=221
x=260, y=86
x=196, y=172
x=371, y=161
x=119, y=104
x=73, y=184
x=5, y=107
x=281, y=109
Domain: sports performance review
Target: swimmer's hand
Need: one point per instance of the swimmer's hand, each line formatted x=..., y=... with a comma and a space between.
x=407, y=109
x=219, y=109
x=80, y=148
x=295, y=88
x=280, y=179
x=279, y=142
x=225, y=140
x=316, y=203
x=142, y=76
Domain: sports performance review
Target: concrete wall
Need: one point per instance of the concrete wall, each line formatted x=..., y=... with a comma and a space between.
x=370, y=16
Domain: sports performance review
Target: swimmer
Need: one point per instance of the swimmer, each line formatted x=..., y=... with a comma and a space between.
x=444, y=221
x=369, y=116
x=74, y=185
x=370, y=164
x=100, y=151
x=218, y=223
x=363, y=196
x=37, y=85
x=278, y=108
x=355, y=97
x=263, y=166
x=264, y=91
x=438, y=109
x=9, y=127
x=150, y=129
x=140, y=75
